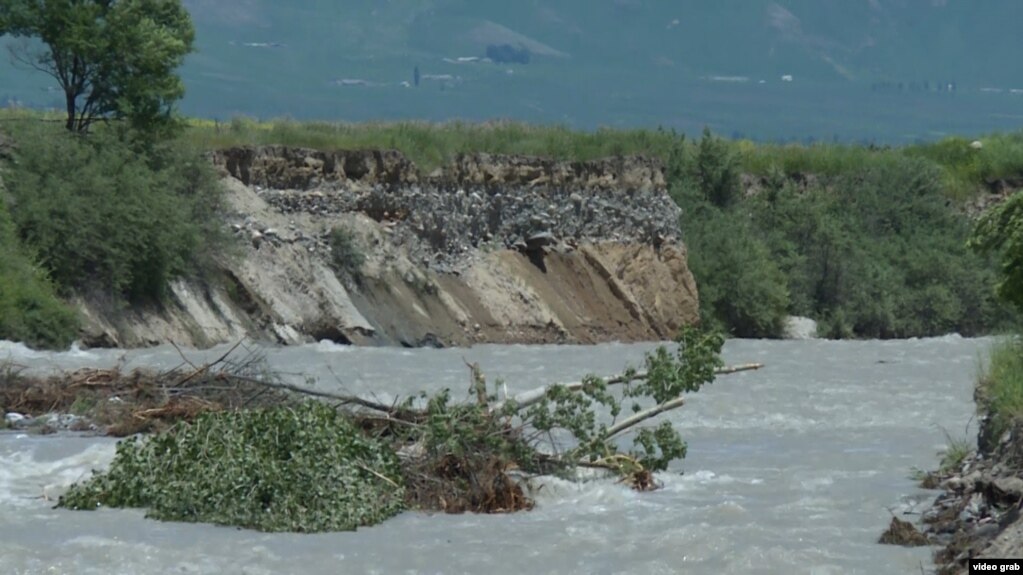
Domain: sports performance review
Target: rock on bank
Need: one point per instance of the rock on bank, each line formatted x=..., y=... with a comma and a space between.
x=487, y=249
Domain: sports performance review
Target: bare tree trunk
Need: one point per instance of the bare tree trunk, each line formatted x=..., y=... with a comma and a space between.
x=527, y=398
x=69, y=98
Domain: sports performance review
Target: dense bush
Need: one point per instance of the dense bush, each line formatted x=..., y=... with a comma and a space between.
x=877, y=251
x=112, y=212
x=880, y=253
x=304, y=468
x=30, y=311
x=741, y=288
x=1000, y=231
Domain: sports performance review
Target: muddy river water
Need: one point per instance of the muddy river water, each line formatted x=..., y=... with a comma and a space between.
x=791, y=469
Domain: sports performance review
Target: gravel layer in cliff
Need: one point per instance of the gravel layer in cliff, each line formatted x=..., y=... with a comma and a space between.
x=478, y=200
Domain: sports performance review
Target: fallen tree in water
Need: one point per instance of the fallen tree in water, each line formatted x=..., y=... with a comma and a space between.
x=369, y=460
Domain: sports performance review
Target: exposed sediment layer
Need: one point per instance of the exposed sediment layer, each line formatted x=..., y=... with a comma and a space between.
x=486, y=249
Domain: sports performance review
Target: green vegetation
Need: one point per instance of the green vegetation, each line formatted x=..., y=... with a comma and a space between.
x=956, y=452
x=123, y=211
x=345, y=253
x=309, y=466
x=110, y=59
x=964, y=169
x=868, y=241
x=304, y=468
x=430, y=145
x=957, y=449
x=1000, y=389
x=1000, y=231
x=876, y=249
x=650, y=70
x=30, y=311
x=110, y=212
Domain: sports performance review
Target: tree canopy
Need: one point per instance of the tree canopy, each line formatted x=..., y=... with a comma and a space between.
x=112, y=58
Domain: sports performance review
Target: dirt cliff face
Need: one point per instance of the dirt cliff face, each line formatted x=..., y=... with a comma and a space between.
x=487, y=249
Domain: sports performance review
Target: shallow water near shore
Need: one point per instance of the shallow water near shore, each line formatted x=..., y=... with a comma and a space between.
x=791, y=469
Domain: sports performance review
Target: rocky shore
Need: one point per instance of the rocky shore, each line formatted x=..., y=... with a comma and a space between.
x=487, y=249
x=977, y=514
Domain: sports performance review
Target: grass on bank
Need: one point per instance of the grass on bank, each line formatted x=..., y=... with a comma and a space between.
x=430, y=145
x=1000, y=386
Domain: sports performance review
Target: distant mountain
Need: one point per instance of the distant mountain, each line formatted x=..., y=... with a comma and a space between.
x=890, y=70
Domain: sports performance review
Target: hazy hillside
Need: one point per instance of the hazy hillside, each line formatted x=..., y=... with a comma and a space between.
x=876, y=69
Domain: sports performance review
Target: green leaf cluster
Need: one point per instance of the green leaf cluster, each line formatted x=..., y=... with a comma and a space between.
x=875, y=250
x=111, y=213
x=1000, y=231
x=30, y=310
x=305, y=468
x=111, y=58
x=668, y=377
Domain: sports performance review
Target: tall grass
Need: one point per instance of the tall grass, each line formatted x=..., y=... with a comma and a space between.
x=430, y=145
x=965, y=168
x=1000, y=385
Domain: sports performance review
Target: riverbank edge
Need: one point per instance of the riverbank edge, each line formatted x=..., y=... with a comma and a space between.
x=977, y=514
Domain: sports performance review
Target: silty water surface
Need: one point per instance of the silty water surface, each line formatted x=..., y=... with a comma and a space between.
x=791, y=469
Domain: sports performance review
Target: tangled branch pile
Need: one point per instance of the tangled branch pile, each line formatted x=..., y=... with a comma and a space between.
x=124, y=403
x=316, y=467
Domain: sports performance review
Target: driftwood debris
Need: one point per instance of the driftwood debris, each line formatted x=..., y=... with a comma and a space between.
x=494, y=446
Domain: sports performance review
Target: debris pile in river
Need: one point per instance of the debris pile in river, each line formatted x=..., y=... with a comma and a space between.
x=122, y=403
x=428, y=451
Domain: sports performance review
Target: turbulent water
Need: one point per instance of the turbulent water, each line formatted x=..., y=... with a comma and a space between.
x=791, y=469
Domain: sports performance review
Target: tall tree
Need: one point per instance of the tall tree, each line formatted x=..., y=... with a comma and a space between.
x=112, y=58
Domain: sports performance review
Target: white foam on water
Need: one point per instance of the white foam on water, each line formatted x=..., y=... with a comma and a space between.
x=77, y=352
x=327, y=346
x=596, y=494
x=13, y=351
x=25, y=481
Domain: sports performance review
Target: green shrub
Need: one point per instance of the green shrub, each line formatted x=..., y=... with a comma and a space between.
x=30, y=311
x=715, y=171
x=345, y=253
x=878, y=253
x=741, y=288
x=111, y=212
x=303, y=468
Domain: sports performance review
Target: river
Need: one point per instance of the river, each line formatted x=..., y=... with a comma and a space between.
x=791, y=469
